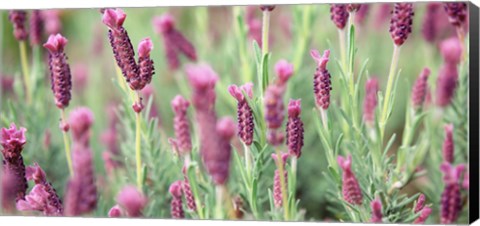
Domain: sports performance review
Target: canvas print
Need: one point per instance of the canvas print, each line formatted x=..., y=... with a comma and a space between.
x=321, y=112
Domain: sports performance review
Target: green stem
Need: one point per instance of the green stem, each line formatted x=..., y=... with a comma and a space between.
x=138, y=154
x=343, y=49
x=388, y=92
x=265, y=31
x=246, y=153
x=219, y=194
x=68, y=153
x=25, y=70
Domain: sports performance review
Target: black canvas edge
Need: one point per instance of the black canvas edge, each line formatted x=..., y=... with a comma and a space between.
x=474, y=113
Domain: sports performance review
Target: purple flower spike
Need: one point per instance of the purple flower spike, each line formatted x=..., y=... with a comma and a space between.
x=181, y=124
x=339, y=15
x=81, y=120
x=187, y=190
x=36, y=174
x=176, y=208
x=370, y=102
x=419, y=91
x=18, y=18
x=39, y=200
x=322, y=84
x=382, y=15
x=60, y=75
x=451, y=50
x=401, y=22
x=36, y=28
x=426, y=211
x=12, y=141
x=294, y=128
x=115, y=212
x=218, y=163
x=114, y=19
x=429, y=25
x=457, y=13
x=448, y=148
x=244, y=112
x=274, y=113
x=284, y=71
x=420, y=203
x=377, y=215
x=446, y=84
x=451, y=200
x=132, y=200
x=52, y=23
x=277, y=185
x=8, y=190
x=350, y=187
x=202, y=78
x=362, y=14
x=145, y=63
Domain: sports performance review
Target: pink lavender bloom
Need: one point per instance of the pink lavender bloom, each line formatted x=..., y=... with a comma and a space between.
x=350, y=187
x=36, y=28
x=419, y=90
x=377, y=215
x=362, y=14
x=218, y=163
x=8, y=190
x=382, y=14
x=132, y=201
x=425, y=213
x=267, y=8
x=12, y=141
x=115, y=212
x=457, y=12
x=187, y=191
x=245, y=122
x=255, y=30
x=284, y=71
x=294, y=128
x=6, y=84
x=429, y=26
x=39, y=200
x=446, y=84
x=274, y=113
x=451, y=50
x=37, y=174
x=174, y=41
x=52, y=22
x=145, y=63
x=353, y=7
x=202, y=78
x=448, y=148
x=420, y=203
x=181, y=124
x=81, y=120
x=339, y=15
x=18, y=18
x=176, y=208
x=322, y=84
x=80, y=78
x=370, y=102
x=61, y=78
x=401, y=22
x=451, y=200
x=277, y=185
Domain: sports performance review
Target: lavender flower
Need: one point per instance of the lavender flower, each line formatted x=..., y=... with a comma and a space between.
x=451, y=50
x=202, y=78
x=451, y=200
x=370, y=102
x=36, y=28
x=277, y=185
x=132, y=201
x=419, y=90
x=81, y=120
x=218, y=163
x=176, y=208
x=377, y=215
x=353, y=7
x=321, y=80
x=339, y=15
x=267, y=8
x=448, y=148
x=244, y=112
x=284, y=71
x=38, y=200
x=425, y=213
x=61, y=78
x=174, y=41
x=457, y=12
x=420, y=203
x=18, y=18
x=80, y=78
x=181, y=124
x=52, y=22
x=115, y=211
x=8, y=190
x=294, y=128
x=187, y=191
x=446, y=84
x=361, y=15
x=274, y=113
x=382, y=14
x=429, y=25
x=350, y=188
x=145, y=63
x=401, y=22
x=12, y=141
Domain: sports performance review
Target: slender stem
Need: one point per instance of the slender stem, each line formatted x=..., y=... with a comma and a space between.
x=323, y=113
x=25, y=70
x=66, y=142
x=343, y=49
x=388, y=92
x=138, y=154
x=282, y=184
x=265, y=31
x=246, y=152
x=219, y=195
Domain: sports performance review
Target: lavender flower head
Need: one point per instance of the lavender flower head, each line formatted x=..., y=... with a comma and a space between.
x=132, y=200
x=350, y=188
x=176, y=208
x=218, y=163
x=353, y=7
x=12, y=141
x=419, y=91
x=115, y=211
x=448, y=148
x=60, y=75
x=8, y=190
x=277, y=185
x=377, y=215
x=429, y=25
x=321, y=80
x=274, y=113
x=362, y=14
x=451, y=50
x=267, y=7
x=181, y=124
x=401, y=22
x=187, y=190
x=81, y=120
x=420, y=203
x=18, y=19
x=370, y=102
x=457, y=12
x=339, y=15
x=145, y=63
x=38, y=200
x=202, y=78
x=245, y=122
x=284, y=71
x=52, y=23
x=36, y=28
x=446, y=84
x=425, y=213
x=451, y=200
x=294, y=128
